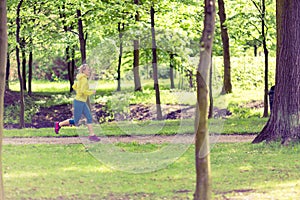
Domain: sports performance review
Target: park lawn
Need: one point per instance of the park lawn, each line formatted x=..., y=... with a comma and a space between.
x=240, y=170
x=167, y=127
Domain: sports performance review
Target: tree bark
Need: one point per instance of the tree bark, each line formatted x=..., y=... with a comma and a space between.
x=136, y=57
x=172, y=85
x=7, y=71
x=120, y=54
x=202, y=156
x=266, y=52
x=22, y=102
x=71, y=67
x=30, y=59
x=3, y=54
x=154, y=65
x=82, y=38
x=227, y=86
x=70, y=49
x=23, y=53
x=30, y=63
x=284, y=122
x=211, y=100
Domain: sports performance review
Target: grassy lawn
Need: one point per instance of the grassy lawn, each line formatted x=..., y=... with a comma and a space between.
x=240, y=170
x=168, y=127
x=150, y=171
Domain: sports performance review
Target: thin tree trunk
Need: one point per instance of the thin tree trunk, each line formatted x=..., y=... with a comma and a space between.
x=82, y=39
x=190, y=75
x=7, y=71
x=22, y=102
x=3, y=54
x=154, y=65
x=136, y=57
x=70, y=66
x=172, y=71
x=30, y=59
x=211, y=100
x=70, y=49
x=227, y=86
x=266, y=52
x=202, y=156
x=23, y=52
x=120, y=54
x=30, y=63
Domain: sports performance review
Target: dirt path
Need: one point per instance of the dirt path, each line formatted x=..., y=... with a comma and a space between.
x=115, y=139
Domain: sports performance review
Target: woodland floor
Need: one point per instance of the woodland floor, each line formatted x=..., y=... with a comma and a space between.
x=46, y=116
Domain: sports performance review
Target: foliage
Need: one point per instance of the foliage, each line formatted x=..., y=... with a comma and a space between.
x=241, y=111
x=247, y=71
x=52, y=26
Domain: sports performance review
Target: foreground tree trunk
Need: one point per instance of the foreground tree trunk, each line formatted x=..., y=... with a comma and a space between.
x=227, y=86
x=3, y=54
x=202, y=156
x=284, y=122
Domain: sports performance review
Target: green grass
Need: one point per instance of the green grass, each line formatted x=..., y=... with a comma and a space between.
x=71, y=172
x=167, y=127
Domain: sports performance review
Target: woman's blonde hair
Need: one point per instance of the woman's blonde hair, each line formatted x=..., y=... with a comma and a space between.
x=83, y=67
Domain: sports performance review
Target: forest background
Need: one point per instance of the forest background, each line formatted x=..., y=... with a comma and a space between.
x=54, y=38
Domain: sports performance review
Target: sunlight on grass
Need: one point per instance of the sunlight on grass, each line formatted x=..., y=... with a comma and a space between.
x=239, y=171
x=44, y=86
x=278, y=191
x=101, y=169
x=22, y=174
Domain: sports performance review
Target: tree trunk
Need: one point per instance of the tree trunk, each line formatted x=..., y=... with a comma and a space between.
x=30, y=63
x=190, y=76
x=71, y=67
x=70, y=49
x=172, y=85
x=22, y=102
x=202, y=156
x=82, y=39
x=211, y=100
x=255, y=50
x=227, y=86
x=23, y=52
x=120, y=54
x=136, y=57
x=154, y=65
x=3, y=54
x=7, y=71
x=284, y=122
x=266, y=52
x=30, y=59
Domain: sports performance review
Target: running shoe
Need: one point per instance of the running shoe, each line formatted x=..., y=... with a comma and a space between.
x=56, y=127
x=94, y=138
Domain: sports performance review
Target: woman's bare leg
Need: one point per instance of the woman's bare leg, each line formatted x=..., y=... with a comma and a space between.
x=91, y=130
x=64, y=123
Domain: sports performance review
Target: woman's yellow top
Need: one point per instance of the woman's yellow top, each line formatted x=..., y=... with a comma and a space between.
x=81, y=87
